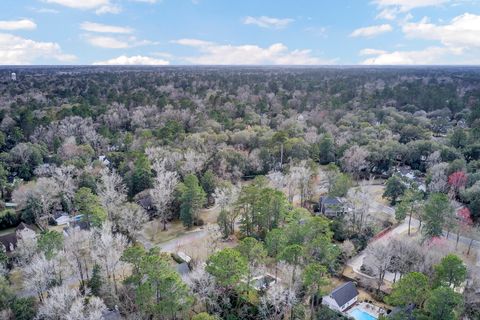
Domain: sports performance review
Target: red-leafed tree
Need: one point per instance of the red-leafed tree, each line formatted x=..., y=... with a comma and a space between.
x=465, y=223
x=457, y=181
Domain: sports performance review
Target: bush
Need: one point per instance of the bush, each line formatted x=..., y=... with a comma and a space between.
x=9, y=219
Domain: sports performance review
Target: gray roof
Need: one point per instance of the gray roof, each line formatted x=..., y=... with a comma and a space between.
x=183, y=268
x=344, y=293
x=330, y=201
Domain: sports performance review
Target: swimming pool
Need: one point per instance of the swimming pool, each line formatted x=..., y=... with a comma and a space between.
x=359, y=314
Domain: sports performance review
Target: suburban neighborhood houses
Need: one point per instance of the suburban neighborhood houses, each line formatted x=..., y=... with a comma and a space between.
x=239, y=193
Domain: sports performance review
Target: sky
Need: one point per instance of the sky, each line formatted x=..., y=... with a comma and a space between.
x=240, y=32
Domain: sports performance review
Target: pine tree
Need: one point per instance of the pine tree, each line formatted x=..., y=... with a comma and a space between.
x=192, y=199
x=95, y=283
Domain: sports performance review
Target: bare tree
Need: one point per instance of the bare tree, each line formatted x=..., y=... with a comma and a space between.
x=203, y=286
x=38, y=276
x=67, y=303
x=438, y=177
x=379, y=256
x=112, y=192
x=78, y=252
x=107, y=249
x=26, y=246
x=360, y=200
x=355, y=160
x=277, y=303
x=301, y=175
x=163, y=190
x=131, y=218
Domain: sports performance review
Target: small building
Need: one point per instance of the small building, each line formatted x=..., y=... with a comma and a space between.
x=331, y=206
x=13, y=76
x=61, y=218
x=342, y=297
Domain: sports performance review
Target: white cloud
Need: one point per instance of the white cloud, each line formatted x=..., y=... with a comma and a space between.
x=45, y=10
x=109, y=8
x=371, y=31
x=133, y=60
x=18, y=50
x=387, y=14
x=112, y=42
x=23, y=24
x=106, y=42
x=406, y=5
x=428, y=56
x=100, y=6
x=371, y=52
x=147, y=1
x=104, y=28
x=462, y=32
x=219, y=54
x=80, y=4
x=268, y=22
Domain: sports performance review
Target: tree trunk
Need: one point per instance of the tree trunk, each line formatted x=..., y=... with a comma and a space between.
x=469, y=246
x=409, y=222
x=458, y=238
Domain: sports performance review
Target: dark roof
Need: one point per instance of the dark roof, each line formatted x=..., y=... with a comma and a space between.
x=10, y=240
x=7, y=240
x=23, y=226
x=329, y=201
x=183, y=268
x=344, y=293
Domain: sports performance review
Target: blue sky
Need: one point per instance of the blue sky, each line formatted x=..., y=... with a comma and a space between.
x=304, y=32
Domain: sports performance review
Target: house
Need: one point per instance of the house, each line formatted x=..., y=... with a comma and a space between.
x=9, y=241
x=61, y=218
x=331, y=206
x=342, y=297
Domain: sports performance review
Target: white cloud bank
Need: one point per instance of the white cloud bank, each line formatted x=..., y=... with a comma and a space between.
x=391, y=8
x=134, y=60
x=221, y=54
x=100, y=6
x=18, y=50
x=22, y=24
x=458, y=43
x=371, y=31
x=268, y=22
x=104, y=28
x=462, y=32
x=428, y=56
x=406, y=5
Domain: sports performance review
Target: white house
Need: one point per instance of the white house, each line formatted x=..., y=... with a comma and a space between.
x=342, y=297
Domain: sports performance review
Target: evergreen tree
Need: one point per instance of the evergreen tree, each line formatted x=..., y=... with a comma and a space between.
x=192, y=199
x=394, y=189
x=95, y=283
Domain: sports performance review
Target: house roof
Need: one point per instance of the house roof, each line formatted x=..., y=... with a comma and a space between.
x=23, y=226
x=344, y=293
x=330, y=201
x=8, y=241
x=183, y=268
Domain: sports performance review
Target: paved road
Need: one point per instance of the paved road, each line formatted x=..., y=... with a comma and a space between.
x=357, y=261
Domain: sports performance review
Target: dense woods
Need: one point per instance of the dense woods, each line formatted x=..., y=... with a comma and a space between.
x=134, y=159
